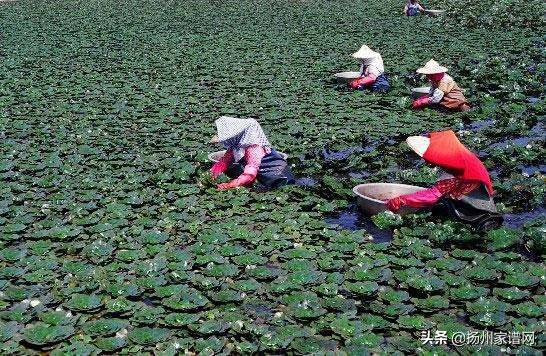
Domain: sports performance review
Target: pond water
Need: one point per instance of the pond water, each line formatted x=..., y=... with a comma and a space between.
x=306, y=181
x=341, y=154
x=530, y=170
x=516, y=221
x=149, y=302
x=517, y=141
x=480, y=125
x=360, y=175
x=352, y=219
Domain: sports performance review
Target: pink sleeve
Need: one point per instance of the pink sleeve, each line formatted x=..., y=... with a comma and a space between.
x=369, y=77
x=253, y=157
x=423, y=198
x=223, y=164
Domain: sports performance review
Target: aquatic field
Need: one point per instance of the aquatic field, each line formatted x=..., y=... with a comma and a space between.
x=112, y=240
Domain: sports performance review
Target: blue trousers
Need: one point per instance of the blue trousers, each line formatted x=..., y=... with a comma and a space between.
x=381, y=84
x=413, y=11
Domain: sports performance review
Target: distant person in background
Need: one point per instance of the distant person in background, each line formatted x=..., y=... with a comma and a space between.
x=444, y=91
x=372, y=72
x=413, y=8
x=249, y=156
x=466, y=191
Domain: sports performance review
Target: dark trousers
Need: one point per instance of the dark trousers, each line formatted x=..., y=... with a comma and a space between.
x=381, y=84
x=273, y=172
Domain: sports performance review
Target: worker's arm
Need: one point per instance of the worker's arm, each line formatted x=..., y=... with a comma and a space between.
x=368, y=76
x=363, y=81
x=253, y=157
x=420, y=199
x=421, y=102
x=453, y=187
x=223, y=164
x=436, y=96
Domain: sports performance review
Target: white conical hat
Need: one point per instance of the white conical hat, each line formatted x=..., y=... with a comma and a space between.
x=237, y=134
x=419, y=144
x=432, y=67
x=365, y=52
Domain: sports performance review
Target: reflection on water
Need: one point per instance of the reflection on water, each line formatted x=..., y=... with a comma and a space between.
x=360, y=175
x=340, y=155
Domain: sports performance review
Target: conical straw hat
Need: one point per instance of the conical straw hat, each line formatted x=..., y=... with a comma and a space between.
x=419, y=144
x=432, y=67
x=365, y=52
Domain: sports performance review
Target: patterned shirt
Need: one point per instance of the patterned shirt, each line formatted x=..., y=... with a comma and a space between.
x=455, y=188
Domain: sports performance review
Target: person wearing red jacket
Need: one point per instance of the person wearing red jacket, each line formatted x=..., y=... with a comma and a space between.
x=467, y=190
x=372, y=71
x=249, y=156
x=444, y=91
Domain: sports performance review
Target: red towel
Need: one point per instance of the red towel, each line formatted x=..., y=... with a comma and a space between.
x=446, y=151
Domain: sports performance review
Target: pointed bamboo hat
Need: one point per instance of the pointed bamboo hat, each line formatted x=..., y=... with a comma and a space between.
x=432, y=67
x=365, y=52
x=419, y=144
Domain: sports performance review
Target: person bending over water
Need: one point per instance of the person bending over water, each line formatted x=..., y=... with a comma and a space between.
x=372, y=71
x=444, y=91
x=249, y=156
x=467, y=191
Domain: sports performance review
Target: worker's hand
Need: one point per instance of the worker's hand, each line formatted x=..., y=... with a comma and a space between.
x=355, y=83
x=421, y=102
x=361, y=82
x=229, y=185
x=243, y=180
x=395, y=204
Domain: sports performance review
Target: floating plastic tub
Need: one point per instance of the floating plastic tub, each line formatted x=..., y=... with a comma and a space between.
x=372, y=197
x=434, y=12
x=418, y=92
x=216, y=156
x=346, y=76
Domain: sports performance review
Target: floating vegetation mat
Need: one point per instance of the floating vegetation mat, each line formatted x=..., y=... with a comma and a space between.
x=111, y=240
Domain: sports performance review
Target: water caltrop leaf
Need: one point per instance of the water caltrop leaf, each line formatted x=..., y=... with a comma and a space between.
x=114, y=236
x=43, y=334
x=147, y=336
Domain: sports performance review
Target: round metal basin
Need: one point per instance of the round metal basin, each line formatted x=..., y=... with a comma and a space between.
x=434, y=12
x=216, y=156
x=418, y=92
x=372, y=197
x=346, y=76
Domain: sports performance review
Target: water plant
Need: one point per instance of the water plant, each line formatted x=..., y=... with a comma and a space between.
x=114, y=239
